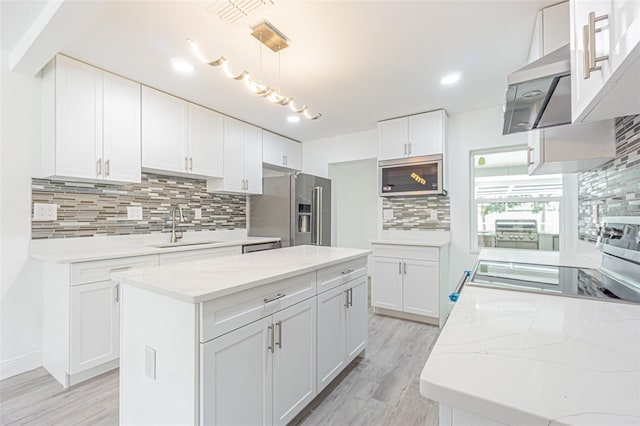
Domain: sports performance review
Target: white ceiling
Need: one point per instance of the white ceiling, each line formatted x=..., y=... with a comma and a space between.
x=356, y=62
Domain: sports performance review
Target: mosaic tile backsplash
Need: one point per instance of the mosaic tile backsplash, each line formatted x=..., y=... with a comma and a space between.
x=411, y=213
x=91, y=209
x=613, y=189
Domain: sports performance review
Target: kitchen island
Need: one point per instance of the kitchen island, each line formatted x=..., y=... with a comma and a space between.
x=247, y=339
x=516, y=358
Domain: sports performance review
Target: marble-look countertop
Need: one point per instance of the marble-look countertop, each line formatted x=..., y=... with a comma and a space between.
x=539, y=257
x=199, y=281
x=414, y=238
x=72, y=250
x=524, y=358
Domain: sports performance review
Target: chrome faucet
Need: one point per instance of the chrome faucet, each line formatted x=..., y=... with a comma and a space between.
x=174, y=236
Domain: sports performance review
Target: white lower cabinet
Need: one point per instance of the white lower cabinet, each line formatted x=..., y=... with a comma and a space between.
x=410, y=281
x=263, y=373
x=95, y=325
x=342, y=328
x=237, y=377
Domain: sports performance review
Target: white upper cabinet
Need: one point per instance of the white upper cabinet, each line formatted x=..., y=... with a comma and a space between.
x=205, y=141
x=242, y=159
x=416, y=135
x=180, y=137
x=571, y=149
x=164, y=131
x=91, y=123
x=605, y=69
x=281, y=153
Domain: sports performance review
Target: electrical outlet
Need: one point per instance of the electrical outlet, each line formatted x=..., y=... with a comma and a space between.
x=197, y=213
x=45, y=212
x=387, y=214
x=150, y=362
x=433, y=214
x=134, y=213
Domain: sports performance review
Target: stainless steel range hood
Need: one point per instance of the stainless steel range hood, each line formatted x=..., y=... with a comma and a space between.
x=539, y=94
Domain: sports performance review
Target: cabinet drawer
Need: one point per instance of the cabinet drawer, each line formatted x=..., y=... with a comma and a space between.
x=101, y=270
x=228, y=313
x=406, y=252
x=186, y=256
x=333, y=276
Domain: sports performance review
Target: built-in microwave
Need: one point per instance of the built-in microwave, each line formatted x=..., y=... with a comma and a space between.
x=411, y=176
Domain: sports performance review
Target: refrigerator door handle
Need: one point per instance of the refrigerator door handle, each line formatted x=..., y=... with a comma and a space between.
x=317, y=201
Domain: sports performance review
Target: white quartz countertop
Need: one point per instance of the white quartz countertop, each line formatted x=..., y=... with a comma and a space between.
x=539, y=257
x=85, y=251
x=432, y=243
x=535, y=359
x=199, y=281
x=414, y=238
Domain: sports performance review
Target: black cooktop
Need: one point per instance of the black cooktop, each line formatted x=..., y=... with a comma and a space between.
x=576, y=282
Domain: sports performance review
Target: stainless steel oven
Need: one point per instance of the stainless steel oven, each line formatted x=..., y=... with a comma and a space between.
x=411, y=176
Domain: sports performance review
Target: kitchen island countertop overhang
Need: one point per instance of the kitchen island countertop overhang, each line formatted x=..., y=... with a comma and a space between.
x=203, y=280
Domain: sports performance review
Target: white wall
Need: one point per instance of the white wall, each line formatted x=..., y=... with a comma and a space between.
x=319, y=153
x=21, y=290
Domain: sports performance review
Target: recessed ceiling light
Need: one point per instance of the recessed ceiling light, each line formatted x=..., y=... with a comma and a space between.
x=181, y=65
x=293, y=119
x=450, y=79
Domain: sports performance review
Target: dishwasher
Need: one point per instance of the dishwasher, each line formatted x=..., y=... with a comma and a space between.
x=250, y=248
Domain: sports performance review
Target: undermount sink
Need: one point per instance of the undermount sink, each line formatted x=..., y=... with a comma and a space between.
x=183, y=243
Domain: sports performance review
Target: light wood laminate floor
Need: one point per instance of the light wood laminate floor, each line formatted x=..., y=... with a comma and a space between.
x=381, y=389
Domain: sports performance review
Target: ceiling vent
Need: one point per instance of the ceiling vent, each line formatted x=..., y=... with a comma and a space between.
x=232, y=10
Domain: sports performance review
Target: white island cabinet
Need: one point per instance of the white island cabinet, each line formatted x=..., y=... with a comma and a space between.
x=240, y=340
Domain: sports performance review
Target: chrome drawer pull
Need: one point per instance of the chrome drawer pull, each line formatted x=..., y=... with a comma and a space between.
x=348, y=271
x=123, y=268
x=273, y=299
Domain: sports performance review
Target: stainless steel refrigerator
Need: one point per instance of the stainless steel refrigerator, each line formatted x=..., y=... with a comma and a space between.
x=295, y=207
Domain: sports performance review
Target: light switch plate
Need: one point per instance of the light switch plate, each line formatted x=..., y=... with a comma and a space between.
x=387, y=213
x=134, y=213
x=197, y=213
x=433, y=214
x=45, y=212
x=150, y=362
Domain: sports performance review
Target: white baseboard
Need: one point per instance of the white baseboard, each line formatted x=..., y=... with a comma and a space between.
x=20, y=364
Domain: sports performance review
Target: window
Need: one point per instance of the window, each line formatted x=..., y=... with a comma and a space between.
x=511, y=209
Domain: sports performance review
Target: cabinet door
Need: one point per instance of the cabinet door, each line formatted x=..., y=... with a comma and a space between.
x=357, y=317
x=331, y=335
x=585, y=90
x=386, y=283
x=534, y=153
x=625, y=31
x=95, y=325
x=78, y=122
x=122, y=147
x=253, y=159
x=294, y=360
x=392, y=138
x=272, y=152
x=426, y=133
x=236, y=379
x=421, y=287
x=204, y=141
x=292, y=152
x=164, y=131
x=233, y=155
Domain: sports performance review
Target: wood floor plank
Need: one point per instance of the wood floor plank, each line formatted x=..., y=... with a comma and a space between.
x=381, y=389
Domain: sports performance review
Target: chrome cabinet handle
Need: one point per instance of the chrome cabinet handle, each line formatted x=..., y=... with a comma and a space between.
x=409, y=148
x=589, y=32
x=246, y=184
x=529, y=152
x=190, y=164
x=404, y=151
x=99, y=167
x=346, y=303
x=273, y=299
x=405, y=267
x=123, y=268
x=117, y=288
x=186, y=163
x=348, y=271
x=107, y=167
x=271, y=347
x=350, y=297
x=279, y=342
x=400, y=268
